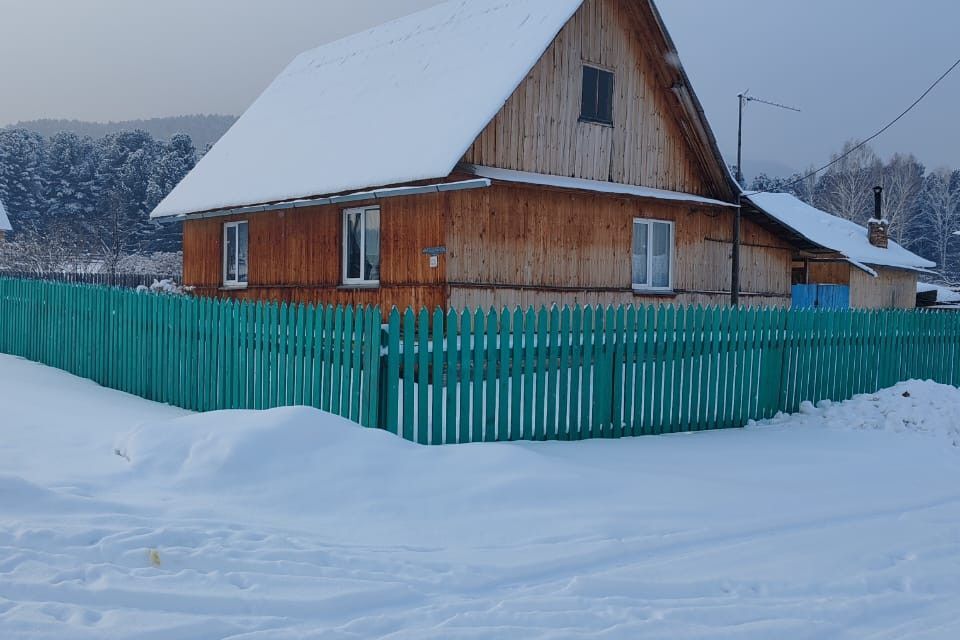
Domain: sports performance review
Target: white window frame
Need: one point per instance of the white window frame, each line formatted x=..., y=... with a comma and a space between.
x=236, y=283
x=648, y=286
x=344, y=232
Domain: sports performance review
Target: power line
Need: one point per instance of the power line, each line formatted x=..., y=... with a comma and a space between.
x=874, y=136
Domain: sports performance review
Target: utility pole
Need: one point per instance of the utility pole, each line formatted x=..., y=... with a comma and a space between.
x=738, y=215
x=744, y=98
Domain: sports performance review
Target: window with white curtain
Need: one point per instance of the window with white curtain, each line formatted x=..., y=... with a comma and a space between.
x=652, y=255
x=236, y=254
x=361, y=246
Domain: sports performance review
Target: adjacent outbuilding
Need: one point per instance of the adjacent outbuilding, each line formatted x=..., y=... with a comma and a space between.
x=838, y=263
x=5, y=226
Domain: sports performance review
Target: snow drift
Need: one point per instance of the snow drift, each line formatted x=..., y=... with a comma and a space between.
x=840, y=522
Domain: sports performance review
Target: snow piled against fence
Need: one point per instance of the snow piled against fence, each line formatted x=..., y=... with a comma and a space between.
x=926, y=408
x=127, y=519
x=397, y=103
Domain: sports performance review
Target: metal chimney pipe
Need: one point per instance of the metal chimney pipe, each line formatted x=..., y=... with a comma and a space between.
x=878, y=203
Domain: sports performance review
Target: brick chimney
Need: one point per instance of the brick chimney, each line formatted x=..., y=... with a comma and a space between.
x=878, y=229
x=878, y=233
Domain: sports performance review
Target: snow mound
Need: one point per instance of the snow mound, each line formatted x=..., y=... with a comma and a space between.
x=18, y=495
x=299, y=460
x=250, y=447
x=915, y=407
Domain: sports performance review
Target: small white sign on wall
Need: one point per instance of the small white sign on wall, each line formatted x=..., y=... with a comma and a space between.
x=434, y=262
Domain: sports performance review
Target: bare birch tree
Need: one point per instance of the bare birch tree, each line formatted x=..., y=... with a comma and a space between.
x=846, y=189
x=940, y=218
x=902, y=184
x=53, y=247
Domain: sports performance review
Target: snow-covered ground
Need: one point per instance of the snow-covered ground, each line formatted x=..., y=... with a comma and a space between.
x=124, y=519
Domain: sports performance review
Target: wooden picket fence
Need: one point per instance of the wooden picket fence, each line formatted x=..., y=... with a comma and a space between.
x=125, y=280
x=455, y=377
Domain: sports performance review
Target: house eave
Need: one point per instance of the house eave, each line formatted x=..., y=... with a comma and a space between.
x=592, y=186
x=347, y=198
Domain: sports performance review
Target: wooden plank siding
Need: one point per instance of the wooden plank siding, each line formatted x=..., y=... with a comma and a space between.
x=891, y=289
x=539, y=130
x=829, y=272
x=524, y=245
x=296, y=255
x=507, y=245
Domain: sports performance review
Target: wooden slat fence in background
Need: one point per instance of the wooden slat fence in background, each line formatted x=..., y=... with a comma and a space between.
x=454, y=377
x=122, y=280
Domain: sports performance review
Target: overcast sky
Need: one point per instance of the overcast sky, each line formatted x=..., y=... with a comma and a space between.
x=851, y=65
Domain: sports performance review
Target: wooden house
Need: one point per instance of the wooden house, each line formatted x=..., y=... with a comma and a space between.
x=5, y=226
x=839, y=263
x=482, y=153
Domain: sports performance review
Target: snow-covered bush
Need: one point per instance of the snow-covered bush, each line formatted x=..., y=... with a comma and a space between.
x=165, y=287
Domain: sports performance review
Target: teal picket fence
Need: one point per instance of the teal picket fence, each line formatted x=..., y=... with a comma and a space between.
x=447, y=377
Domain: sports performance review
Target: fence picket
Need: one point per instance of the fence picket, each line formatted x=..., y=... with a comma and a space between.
x=408, y=348
x=539, y=425
x=436, y=413
x=529, y=340
x=476, y=421
x=392, y=402
x=553, y=368
x=563, y=374
x=453, y=376
x=576, y=368
x=465, y=380
x=490, y=396
x=629, y=368
x=423, y=377
x=504, y=377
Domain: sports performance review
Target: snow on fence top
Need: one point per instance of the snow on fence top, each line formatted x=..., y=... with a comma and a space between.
x=397, y=103
x=836, y=234
x=4, y=220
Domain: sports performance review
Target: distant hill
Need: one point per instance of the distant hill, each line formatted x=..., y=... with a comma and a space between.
x=203, y=129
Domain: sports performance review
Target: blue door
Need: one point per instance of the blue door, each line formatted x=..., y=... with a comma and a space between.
x=821, y=296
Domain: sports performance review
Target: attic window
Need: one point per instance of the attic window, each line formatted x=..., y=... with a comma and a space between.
x=597, y=105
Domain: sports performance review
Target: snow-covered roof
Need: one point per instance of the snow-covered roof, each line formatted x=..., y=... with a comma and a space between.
x=4, y=219
x=835, y=233
x=397, y=103
x=598, y=186
x=945, y=295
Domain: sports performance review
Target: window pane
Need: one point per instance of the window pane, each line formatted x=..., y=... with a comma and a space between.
x=230, y=254
x=243, y=243
x=597, y=98
x=641, y=233
x=372, y=239
x=352, y=249
x=605, y=97
x=588, y=107
x=661, y=255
